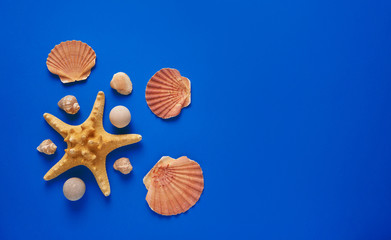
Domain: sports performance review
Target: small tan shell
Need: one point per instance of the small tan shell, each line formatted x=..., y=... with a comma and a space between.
x=69, y=104
x=123, y=165
x=174, y=185
x=167, y=93
x=121, y=82
x=47, y=147
x=71, y=61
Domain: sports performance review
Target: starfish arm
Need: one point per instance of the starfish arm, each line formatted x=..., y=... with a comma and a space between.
x=61, y=166
x=96, y=115
x=100, y=174
x=116, y=141
x=58, y=125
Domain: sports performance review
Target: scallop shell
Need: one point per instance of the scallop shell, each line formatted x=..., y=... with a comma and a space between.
x=174, y=185
x=167, y=93
x=71, y=61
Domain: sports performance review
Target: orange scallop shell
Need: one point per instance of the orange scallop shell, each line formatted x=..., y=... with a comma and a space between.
x=71, y=61
x=167, y=93
x=174, y=185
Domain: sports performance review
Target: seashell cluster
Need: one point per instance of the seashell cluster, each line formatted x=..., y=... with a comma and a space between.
x=121, y=82
x=71, y=61
x=123, y=165
x=174, y=185
x=47, y=147
x=167, y=93
x=69, y=104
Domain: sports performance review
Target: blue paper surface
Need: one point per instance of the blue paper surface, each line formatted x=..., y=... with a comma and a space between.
x=290, y=117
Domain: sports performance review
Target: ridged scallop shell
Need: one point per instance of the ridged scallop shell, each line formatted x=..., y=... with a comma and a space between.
x=167, y=93
x=71, y=61
x=174, y=185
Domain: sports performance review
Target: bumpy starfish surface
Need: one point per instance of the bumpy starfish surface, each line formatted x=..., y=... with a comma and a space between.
x=88, y=144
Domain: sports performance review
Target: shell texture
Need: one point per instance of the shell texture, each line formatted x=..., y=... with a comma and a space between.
x=174, y=185
x=167, y=93
x=123, y=165
x=47, y=147
x=71, y=61
x=69, y=104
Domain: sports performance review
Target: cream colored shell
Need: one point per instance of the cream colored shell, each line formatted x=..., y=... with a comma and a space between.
x=69, y=104
x=123, y=165
x=120, y=116
x=121, y=82
x=47, y=147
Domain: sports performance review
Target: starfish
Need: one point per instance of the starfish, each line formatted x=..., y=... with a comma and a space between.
x=88, y=144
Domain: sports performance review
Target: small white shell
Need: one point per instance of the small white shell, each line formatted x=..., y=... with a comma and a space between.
x=69, y=104
x=74, y=189
x=47, y=147
x=123, y=165
x=121, y=82
x=120, y=116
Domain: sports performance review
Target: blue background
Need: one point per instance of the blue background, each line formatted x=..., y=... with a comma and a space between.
x=290, y=117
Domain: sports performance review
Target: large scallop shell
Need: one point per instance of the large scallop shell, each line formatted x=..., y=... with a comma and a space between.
x=167, y=93
x=71, y=61
x=174, y=185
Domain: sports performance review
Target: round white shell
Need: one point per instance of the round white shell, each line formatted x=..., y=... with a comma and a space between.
x=74, y=189
x=120, y=116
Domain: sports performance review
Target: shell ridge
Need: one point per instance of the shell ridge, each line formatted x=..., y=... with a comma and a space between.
x=55, y=58
x=184, y=163
x=83, y=52
x=164, y=111
x=76, y=59
x=68, y=54
x=65, y=55
x=156, y=105
x=157, y=102
x=189, y=175
x=175, y=205
x=183, y=194
x=59, y=68
x=171, y=74
x=163, y=96
x=157, y=80
x=157, y=86
x=188, y=183
x=168, y=205
x=86, y=53
x=184, y=203
x=89, y=57
x=159, y=96
x=193, y=168
x=164, y=81
x=158, y=202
